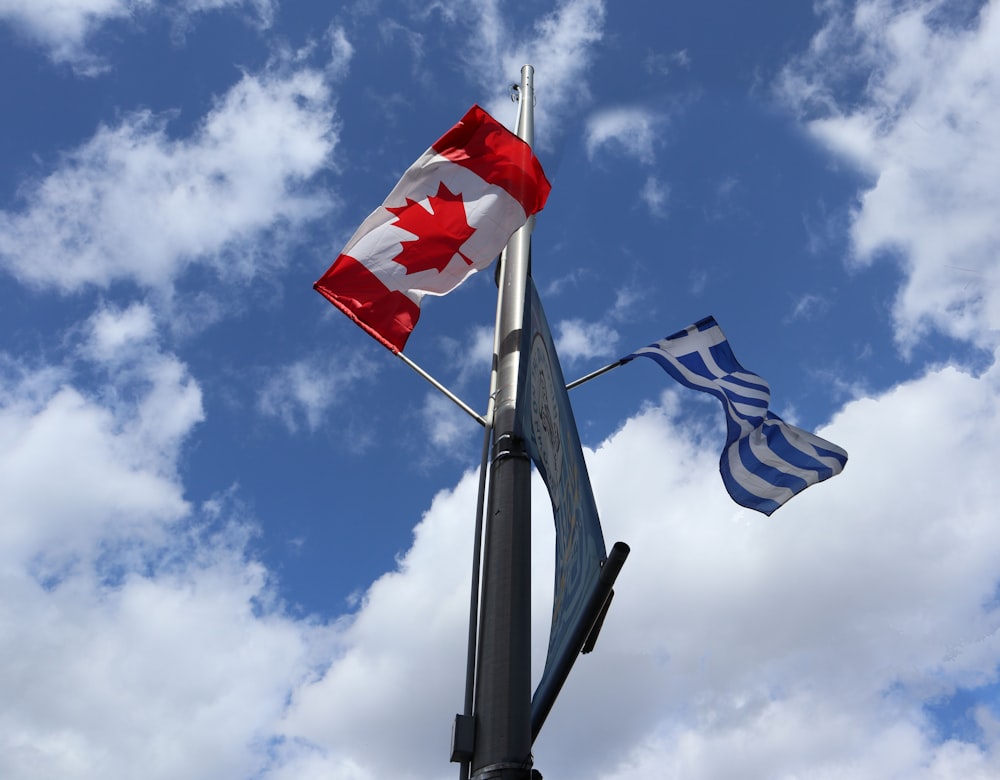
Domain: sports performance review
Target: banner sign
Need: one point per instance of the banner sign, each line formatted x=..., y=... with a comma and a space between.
x=545, y=422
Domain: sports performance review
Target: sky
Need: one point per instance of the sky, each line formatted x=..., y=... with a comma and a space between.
x=236, y=532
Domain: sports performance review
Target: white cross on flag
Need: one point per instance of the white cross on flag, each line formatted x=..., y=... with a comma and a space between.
x=448, y=217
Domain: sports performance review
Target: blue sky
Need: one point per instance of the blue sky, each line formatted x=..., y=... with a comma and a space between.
x=236, y=532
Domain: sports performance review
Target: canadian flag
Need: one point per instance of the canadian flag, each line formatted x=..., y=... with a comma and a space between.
x=448, y=217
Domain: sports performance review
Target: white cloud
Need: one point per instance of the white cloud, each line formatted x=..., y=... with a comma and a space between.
x=115, y=334
x=64, y=482
x=77, y=469
x=308, y=388
x=341, y=51
x=401, y=660
x=627, y=298
x=631, y=130
x=263, y=8
x=64, y=28
x=135, y=204
x=448, y=427
x=805, y=737
x=808, y=306
x=659, y=63
x=561, y=46
x=137, y=636
x=655, y=195
x=806, y=643
x=472, y=357
x=922, y=130
x=180, y=671
x=578, y=340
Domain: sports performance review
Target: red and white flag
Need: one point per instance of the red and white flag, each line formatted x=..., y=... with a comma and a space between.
x=448, y=217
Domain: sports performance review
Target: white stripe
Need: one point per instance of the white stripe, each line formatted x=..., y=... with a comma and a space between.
x=735, y=410
x=709, y=360
x=807, y=442
x=767, y=456
x=747, y=410
x=696, y=340
x=763, y=389
x=751, y=482
x=761, y=394
x=753, y=382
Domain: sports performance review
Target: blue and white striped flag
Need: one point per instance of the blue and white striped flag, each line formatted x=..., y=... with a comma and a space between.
x=766, y=461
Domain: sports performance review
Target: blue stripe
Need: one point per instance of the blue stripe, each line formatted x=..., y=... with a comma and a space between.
x=761, y=387
x=780, y=445
x=766, y=472
x=667, y=364
x=838, y=456
x=742, y=399
x=744, y=497
x=724, y=356
x=693, y=362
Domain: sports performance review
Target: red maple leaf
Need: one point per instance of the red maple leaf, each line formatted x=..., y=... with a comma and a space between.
x=440, y=232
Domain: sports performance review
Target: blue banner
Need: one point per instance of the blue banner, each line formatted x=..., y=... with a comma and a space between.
x=546, y=423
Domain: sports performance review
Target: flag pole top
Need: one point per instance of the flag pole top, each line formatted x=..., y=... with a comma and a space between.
x=526, y=96
x=514, y=275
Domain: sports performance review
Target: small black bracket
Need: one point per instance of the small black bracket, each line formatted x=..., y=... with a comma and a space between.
x=463, y=738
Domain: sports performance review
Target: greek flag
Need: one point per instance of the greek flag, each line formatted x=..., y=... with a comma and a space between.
x=766, y=461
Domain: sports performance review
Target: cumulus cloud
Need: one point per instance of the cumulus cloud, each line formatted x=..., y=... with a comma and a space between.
x=160, y=663
x=811, y=640
x=135, y=204
x=341, y=51
x=65, y=28
x=655, y=194
x=659, y=63
x=138, y=636
x=167, y=674
x=401, y=658
x=62, y=27
x=471, y=355
x=922, y=133
x=634, y=132
x=115, y=334
x=305, y=390
x=631, y=130
x=561, y=44
x=807, y=306
x=78, y=467
x=578, y=340
x=447, y=426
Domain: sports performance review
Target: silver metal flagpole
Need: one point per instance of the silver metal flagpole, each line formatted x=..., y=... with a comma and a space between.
x=502, y=710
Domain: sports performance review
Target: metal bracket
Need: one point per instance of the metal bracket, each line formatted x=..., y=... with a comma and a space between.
x=463, y=738
x=509, y=446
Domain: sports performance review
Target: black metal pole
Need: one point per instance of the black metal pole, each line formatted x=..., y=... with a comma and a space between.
x=503, y=679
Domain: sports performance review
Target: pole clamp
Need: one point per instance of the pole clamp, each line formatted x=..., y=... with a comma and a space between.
x=507, y=769
x=508, y=445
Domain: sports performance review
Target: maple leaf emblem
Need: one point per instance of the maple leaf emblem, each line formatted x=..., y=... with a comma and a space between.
x=439, y=232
